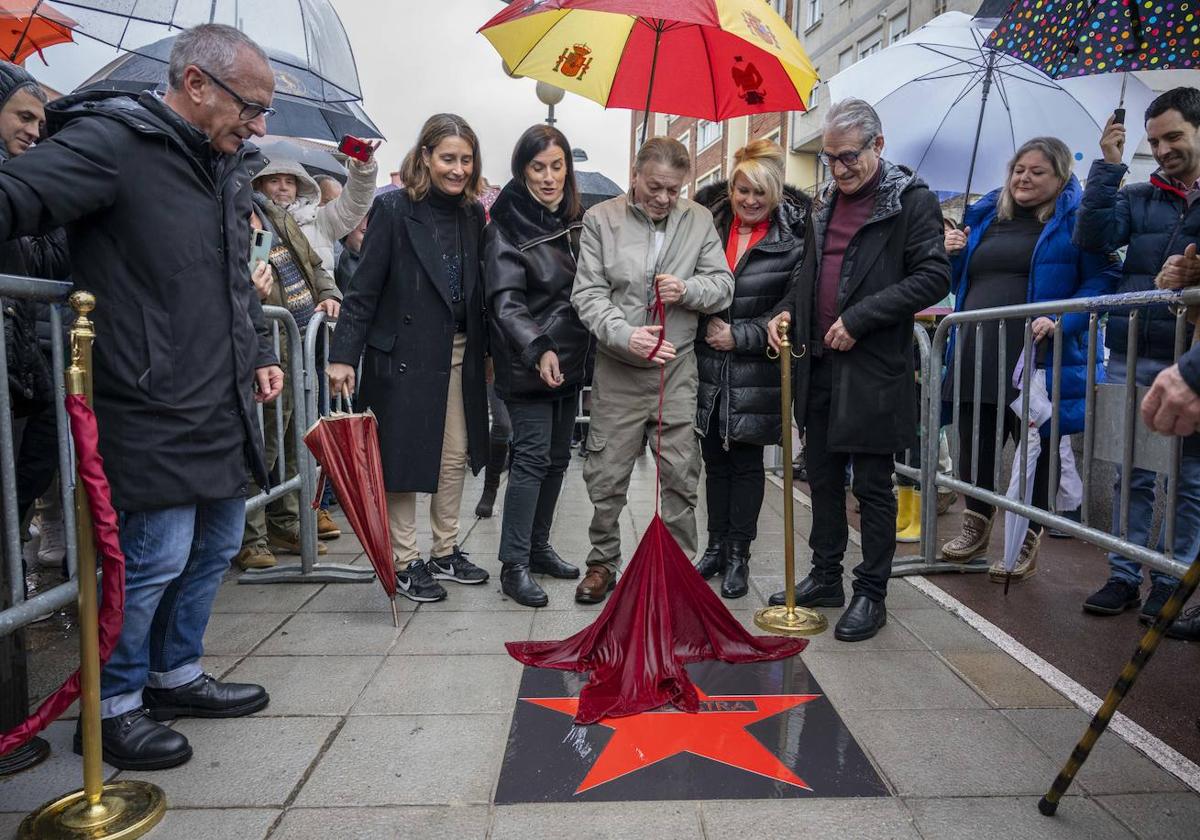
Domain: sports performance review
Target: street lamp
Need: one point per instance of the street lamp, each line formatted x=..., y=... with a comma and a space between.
x=549, y=95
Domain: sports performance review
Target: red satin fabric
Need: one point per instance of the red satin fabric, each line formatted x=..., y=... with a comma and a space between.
x=112, y=560
x=661, y=616
x=347, y=448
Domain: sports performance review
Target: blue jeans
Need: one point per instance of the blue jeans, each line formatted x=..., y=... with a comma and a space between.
x=1142, y=493
x=175, y=559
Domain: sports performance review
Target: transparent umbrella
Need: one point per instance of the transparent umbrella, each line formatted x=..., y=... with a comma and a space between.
x=315, y=50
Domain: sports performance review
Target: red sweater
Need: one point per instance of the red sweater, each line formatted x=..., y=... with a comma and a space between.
x=850, y=213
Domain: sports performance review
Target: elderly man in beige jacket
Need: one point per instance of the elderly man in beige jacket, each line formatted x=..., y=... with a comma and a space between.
x=632, y=245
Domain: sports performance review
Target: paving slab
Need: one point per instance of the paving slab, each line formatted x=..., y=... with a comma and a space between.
x=941, y=630
x=1003, y=681
x=845, y=819
x=409, y=760
x=446, y=685
x=480, y=598
x=1013, y=818
x=236, y=634
x=209, y=824
x=59, y=774
x=461, y=822
x=356, y=598
x=233, y=597
x=968, y=752
x=463, y=632
x=1113, y=766
x=334, y=634
x=308, y=685
x=252, y=762
x=1155, y=816
x=892, y=679
x=598, y=821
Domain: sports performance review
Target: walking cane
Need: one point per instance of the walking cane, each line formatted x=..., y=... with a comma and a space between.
x=788, y=620
x=1049, y=803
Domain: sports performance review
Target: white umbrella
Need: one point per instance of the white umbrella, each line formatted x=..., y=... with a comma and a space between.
x=955, y=111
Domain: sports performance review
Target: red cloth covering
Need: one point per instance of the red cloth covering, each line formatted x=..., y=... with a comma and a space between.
x=108, y=548
x=661, y=617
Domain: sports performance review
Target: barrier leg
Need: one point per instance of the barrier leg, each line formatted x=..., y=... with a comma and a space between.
x=124, y=809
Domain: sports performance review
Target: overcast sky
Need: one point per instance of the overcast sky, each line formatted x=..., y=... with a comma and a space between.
x=419, y=58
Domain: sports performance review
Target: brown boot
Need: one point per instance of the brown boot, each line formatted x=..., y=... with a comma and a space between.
x=596, y=584
x=972, y=542
x=290, y=543
x=1026, y=566
x=255, y=557
x=327, y=529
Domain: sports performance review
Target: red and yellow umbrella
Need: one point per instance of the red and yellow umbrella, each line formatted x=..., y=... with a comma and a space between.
x=713, y=59
x=29, y=26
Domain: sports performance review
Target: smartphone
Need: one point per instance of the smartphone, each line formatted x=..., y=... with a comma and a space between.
x=1119, y=116
x=351, y=146
x=260, y=247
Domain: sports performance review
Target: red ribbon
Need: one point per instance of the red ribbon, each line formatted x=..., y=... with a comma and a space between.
x=108, y=548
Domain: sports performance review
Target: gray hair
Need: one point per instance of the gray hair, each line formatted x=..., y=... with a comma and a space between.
x=665, y=150
x=851, y=114
x=212, y=46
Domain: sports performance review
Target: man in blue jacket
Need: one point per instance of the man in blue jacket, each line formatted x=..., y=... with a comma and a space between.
x=1157, y=220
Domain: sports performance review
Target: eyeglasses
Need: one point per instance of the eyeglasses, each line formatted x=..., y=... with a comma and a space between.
x=250, y=110
x=846, y=159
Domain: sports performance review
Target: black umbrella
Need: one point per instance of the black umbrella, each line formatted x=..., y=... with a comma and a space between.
x=314, y=58
x=297, y=112
x=594, y=188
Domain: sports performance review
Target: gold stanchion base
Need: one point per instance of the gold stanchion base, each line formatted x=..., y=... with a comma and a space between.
x=126, y=810
x=801, y=621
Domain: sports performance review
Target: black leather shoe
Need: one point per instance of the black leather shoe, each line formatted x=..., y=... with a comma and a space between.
x=861, y=620
x=545, y=561
x=205, y=697
x=737, y=570
x=516, y=583
x=133, y=741
x=809, y=593
x=713, y=561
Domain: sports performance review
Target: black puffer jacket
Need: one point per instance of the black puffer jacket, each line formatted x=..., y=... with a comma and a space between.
x=529, y=268
x=1155, y=221
x=745, y=381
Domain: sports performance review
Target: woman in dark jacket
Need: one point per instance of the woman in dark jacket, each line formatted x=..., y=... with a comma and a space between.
x=1016, y=247
x=762, y=221
x=417, y=306
x=539, y=347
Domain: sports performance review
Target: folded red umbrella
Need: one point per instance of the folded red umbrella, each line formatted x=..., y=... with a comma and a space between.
x=661, y=617
x=347, y=448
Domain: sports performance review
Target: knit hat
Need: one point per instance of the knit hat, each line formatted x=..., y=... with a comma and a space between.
x=12, y=79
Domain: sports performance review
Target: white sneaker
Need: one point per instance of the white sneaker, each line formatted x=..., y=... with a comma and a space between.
x=53, y=548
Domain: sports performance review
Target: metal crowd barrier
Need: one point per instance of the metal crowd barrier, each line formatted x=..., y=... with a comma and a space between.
x=16, y=609
x=1113, y=430
x=309, y=402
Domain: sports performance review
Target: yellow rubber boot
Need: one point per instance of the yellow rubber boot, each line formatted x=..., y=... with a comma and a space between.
x=903, y=508
x=912, y=534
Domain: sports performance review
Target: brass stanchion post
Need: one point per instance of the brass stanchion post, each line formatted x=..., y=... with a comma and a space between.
x=124, y=809
x=788, y=620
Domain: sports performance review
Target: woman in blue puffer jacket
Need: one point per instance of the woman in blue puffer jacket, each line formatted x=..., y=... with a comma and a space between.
x=1016, y=248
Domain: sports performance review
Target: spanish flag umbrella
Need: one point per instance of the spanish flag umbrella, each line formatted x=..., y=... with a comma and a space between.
x=29, y=26
x=713, y=59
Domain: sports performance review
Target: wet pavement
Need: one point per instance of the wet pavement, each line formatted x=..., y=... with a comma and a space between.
x=430, y=730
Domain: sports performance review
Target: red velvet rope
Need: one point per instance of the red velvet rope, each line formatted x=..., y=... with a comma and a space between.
x=658, y=313
x=108, y=549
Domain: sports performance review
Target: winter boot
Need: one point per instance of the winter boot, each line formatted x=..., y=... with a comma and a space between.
x=903, y=509
x=1026, y=566
x=491, y=479
x=972, y=542
x=714, y=559
x=912, y=534
x=737, y=570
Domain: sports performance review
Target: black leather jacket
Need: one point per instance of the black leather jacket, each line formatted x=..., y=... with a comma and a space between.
x=529, y=268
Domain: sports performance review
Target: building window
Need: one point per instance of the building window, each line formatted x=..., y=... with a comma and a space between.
x=773, y=135
x=898, y=27
x=939, y=7
x=871, y=44
x=707, y=133
x=812, y=13
x=686, y=140
x=845, y=59
x=780, y=7
x=710, y=177
x=683, y=191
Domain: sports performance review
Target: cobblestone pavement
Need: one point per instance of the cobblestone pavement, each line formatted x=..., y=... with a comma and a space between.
x=382, y=732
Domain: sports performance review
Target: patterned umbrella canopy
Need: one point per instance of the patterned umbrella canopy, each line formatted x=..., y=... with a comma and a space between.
x=1082, y=37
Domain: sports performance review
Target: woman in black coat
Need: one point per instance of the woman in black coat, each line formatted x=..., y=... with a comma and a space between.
x=762, y=221
x=417, y=306
x=539, y=347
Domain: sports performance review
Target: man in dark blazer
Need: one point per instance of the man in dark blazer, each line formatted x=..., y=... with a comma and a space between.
x=876, y=257
x=154, y=192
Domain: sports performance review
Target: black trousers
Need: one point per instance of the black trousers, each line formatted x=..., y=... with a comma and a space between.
x=987, y=454
x=37, y=459
x=541, y=451
x=734, y=484
x=872, y=487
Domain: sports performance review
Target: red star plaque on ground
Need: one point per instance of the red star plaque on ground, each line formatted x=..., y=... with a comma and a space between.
x=717, y=732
